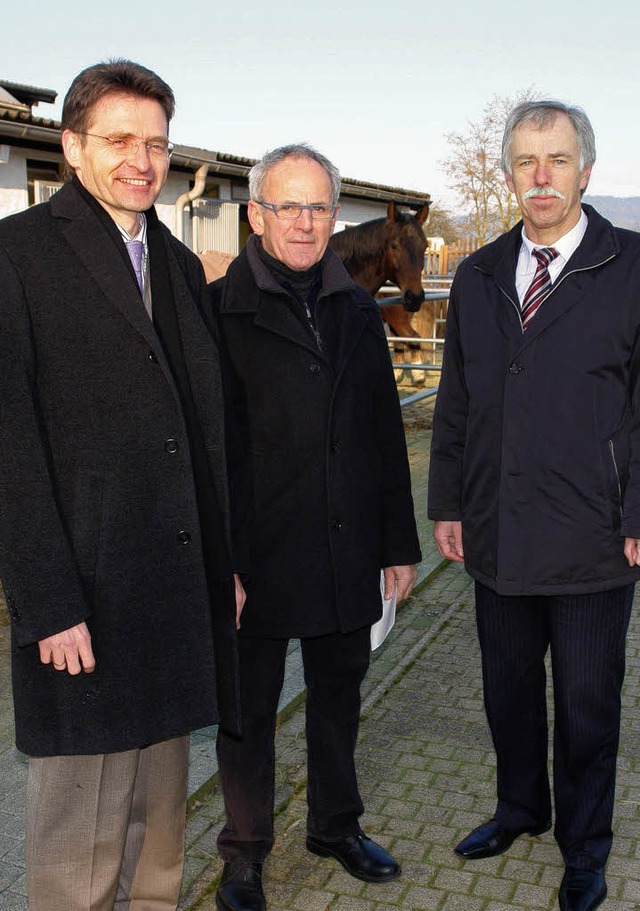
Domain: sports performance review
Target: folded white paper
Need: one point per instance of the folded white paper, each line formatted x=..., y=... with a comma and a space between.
x=380, y=630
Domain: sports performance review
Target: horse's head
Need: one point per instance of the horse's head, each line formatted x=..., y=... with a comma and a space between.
x=405, y=243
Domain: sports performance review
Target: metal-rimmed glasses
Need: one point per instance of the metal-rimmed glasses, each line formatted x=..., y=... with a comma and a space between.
x=127, y=146
x=318, y=211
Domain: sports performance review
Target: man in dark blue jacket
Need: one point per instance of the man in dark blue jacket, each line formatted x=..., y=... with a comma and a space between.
x=535, y=485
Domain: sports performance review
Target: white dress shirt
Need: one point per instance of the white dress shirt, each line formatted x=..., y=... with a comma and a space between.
x=566, y=247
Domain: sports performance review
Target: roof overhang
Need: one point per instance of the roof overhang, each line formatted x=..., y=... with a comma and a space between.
x=28, y=95
x=23, y=127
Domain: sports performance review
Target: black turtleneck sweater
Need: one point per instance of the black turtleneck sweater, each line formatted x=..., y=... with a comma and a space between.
x=301, y=286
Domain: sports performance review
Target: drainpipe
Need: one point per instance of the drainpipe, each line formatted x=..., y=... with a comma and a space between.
x=181, y=202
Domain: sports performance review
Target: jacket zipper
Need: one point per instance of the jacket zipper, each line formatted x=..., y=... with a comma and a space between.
x=553, y=287
x=313, y=326
x=617, y=473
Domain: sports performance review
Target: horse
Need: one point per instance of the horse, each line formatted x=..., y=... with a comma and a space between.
x=389, y=249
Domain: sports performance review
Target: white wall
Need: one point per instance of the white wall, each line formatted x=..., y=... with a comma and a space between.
x=355, y=211
x=176, y=185
x=13, y=183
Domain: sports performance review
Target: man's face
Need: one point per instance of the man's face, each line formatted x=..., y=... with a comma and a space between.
x=298, y=243
x=123, y=184
x=546, y=178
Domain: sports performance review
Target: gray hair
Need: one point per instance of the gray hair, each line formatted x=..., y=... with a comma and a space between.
x=542, y=114
x=258, y=173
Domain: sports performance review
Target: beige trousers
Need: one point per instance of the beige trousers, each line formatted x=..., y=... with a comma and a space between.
x=106, y=832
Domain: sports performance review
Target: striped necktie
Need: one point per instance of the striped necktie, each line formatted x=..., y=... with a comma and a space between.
x=540, y=286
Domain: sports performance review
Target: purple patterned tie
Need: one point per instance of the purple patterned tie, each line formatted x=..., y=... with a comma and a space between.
x=540, y=286
x=135, y=249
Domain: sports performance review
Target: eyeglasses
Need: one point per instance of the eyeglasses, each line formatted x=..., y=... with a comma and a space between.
x=127, y=146
x=292, y=210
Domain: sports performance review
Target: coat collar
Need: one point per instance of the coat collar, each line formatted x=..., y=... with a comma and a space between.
x=98, y=244
x=250, y=288
x=250, y=266
x=498, y=260
x=103, y=253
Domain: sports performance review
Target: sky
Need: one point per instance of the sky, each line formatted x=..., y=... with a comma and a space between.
x=374, y=85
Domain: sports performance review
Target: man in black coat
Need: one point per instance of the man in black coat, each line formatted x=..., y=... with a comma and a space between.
x=114, y=520
x=535, y=484
x=331, y=506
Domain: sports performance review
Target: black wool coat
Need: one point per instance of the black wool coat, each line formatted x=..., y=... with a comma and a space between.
x=98, y=512
x=536, y=438
x=331, y=491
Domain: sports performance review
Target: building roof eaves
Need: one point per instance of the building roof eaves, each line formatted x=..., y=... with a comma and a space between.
x=29, y=94
x=221, y=162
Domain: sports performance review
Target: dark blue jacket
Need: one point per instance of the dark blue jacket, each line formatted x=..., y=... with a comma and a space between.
x=536, y=443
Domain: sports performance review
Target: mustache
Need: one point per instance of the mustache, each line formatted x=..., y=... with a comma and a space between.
x=543, y=191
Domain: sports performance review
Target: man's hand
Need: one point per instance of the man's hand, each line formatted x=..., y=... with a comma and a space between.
x=241, y=597
x=632, y=551
x=448, y=538
x=402, y=576
x=69, y=650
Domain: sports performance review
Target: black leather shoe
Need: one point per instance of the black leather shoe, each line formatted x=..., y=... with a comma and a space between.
x=491, y=839
x=582, y=890
x=240, y=887
x=359, y=855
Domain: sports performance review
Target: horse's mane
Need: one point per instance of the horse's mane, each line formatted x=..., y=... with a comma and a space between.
x=359, y=245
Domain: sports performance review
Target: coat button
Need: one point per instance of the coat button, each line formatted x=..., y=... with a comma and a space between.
x=315, y=367
x=152, y=357
x=515, y=369
x=171, y=446
x=336, y=524
x=334, y=445
x=184, y=537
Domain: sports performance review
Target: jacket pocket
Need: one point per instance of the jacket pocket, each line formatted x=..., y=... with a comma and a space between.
x=86, y=522
x=617, y=481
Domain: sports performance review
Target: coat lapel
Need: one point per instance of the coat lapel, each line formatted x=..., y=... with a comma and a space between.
x=353, y=314
x=107, y=267
x=267, y=302
x=498, y=260
x=102, y=259
x=201, y=359
x=578, y=277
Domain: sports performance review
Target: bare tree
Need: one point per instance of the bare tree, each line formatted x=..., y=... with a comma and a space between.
x=474, y=169
x=442, y=223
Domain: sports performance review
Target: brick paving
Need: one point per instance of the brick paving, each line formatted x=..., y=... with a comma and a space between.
x=426, y=770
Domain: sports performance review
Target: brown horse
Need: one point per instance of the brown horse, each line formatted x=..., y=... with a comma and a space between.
x=389, y=249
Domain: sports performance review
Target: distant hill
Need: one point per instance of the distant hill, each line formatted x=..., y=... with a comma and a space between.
x=624, y=212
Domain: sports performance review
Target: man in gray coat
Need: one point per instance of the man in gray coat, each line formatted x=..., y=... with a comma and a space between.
x=114, y=520
x=331, y=507
x=535, y=483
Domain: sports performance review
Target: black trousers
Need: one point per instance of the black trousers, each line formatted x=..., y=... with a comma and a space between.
x=334, y=668
x=587, y=636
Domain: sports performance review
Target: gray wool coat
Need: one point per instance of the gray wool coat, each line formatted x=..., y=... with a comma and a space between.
x=98, y=510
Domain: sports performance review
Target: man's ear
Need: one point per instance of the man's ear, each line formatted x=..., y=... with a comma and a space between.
x=586, y=174
x=71, y=146
x=256, y=217
x=509, y=182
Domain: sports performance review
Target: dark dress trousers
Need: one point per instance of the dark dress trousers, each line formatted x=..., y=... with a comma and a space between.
x=536, y=449
x=99, y=496
x=331, y=505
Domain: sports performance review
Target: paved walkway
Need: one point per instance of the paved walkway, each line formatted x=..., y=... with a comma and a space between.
x=427, y=777
x=426, y=769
